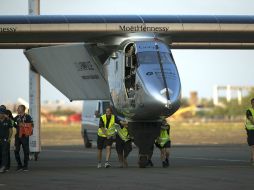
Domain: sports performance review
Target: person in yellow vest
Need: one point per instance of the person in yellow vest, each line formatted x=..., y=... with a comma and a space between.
x=249, y=125
x=106, y=133
x=123, y=144
x=163, y=143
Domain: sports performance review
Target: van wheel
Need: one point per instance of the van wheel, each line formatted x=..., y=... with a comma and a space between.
x=88, y=145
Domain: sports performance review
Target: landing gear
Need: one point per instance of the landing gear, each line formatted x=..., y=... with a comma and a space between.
x=143, y=160
x=144, y=134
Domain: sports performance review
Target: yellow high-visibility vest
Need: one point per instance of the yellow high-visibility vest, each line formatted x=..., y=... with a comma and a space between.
x=123, y=133
x=163, y=138
x=110, y=131
x=248, y=124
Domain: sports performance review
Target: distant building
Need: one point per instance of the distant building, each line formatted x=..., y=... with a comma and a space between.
x=229, y=89
x=193, y=101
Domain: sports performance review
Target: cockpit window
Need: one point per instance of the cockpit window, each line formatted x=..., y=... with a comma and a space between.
x=153, y=58
x=147, y=57
x=165, y=58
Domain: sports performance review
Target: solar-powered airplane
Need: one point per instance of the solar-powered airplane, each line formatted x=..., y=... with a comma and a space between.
x=125, y=59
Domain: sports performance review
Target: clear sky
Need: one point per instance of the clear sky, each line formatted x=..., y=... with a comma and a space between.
x=199, y=69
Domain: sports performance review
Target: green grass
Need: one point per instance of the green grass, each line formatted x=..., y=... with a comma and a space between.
x=181, y=133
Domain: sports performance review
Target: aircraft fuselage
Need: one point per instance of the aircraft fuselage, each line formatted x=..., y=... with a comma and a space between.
x=144, y=84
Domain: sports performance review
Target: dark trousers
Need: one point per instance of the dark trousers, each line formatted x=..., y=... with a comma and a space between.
x=24, y=141
x=8, y=155
x=122, y=147
x=3, y=153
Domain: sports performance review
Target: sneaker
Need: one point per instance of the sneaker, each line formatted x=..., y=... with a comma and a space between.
x=99, y=165
x=164, y=164
x=2, y=169
x=25, y=169
x=19, y=168
x=107, y=165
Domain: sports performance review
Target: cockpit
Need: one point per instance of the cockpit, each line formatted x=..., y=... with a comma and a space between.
x=130, y=70
x=140, y=53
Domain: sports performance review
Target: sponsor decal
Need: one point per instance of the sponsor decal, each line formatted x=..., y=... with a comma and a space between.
x=90, y=77
x=32, y=143
x=8, y=29
x=143, y=28
x=169, y=75
x=149, y=73
x=84, y=66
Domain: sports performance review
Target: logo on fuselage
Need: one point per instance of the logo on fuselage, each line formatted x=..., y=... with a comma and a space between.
x=8, y=29
x=142, y=28
x=149, y=73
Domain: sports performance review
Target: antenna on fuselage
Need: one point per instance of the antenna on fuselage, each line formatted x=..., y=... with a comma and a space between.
x=162, y=73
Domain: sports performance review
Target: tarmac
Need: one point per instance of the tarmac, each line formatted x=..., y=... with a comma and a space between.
x=192, y=167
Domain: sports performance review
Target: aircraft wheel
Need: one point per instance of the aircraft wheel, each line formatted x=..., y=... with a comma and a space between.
x=143, y=159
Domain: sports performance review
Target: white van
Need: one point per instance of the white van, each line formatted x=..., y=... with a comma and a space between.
x=92, y=110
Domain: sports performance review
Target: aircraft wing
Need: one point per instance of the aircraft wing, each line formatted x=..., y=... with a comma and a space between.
x=179, y=31
x=75, y=70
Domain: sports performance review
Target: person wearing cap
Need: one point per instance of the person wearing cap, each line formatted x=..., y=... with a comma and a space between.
x=163, y=143
x=22, y=118
x=123, y=144
x=3, y=107
x=5, y=136
x=249, y=125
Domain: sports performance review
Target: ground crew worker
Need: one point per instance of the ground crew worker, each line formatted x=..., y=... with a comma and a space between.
x=249, y=125
x=123, y=144
x=23, y=140
x=163, y=143
x=5, y=136
x=3, y=107
x=11, y=118
x=106, y=133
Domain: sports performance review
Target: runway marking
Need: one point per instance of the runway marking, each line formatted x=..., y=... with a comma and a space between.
x=187, y=158
x=209, y=159
x=69, y=151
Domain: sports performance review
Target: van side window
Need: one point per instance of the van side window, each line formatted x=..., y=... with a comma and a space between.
x=105, y=105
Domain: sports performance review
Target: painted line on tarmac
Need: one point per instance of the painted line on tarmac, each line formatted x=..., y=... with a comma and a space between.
x=70, y=151
x=187, y=158
x=210, y=159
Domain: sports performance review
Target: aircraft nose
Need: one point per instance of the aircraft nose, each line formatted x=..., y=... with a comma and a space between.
x=161, y=94
x=161, y=97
